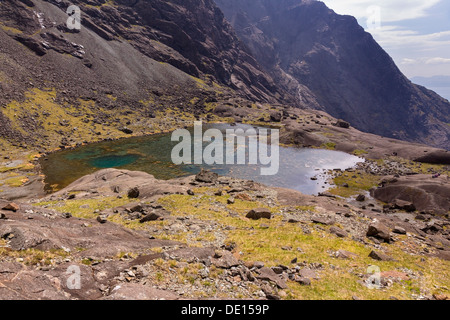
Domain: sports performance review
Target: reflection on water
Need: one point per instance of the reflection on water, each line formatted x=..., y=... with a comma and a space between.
x=152, y=154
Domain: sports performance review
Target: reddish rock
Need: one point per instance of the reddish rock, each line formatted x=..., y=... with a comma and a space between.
x=11, y=207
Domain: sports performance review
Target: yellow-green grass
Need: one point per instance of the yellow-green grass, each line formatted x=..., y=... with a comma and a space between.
x=357, y=182
x=75, y=206
x=34, y=256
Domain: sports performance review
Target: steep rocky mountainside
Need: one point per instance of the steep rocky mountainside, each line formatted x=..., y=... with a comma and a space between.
x=193, y=36
x=128, y=60
x=305, y=44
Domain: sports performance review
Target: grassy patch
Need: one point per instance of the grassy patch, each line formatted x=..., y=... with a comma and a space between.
x=85, y=208
x=360, y=152
x=357, y=183
x=329, y=146
x=16, y=181
x=34, y=256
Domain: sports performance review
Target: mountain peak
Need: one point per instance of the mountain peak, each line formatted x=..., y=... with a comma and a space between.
x=308, y=48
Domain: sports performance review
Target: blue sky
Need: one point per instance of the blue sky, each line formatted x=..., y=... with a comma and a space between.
x=416, y=33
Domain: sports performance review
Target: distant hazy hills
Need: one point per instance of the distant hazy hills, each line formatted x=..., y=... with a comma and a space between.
x=439, y=84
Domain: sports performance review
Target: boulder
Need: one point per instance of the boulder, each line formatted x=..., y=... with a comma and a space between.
x=399, y=230
x=11, y=207
x=323, y=220
x=380, y=256
x=338, y=232
x=260, y=213
x=151, y=217
x=380, y=231
x=276, y=116
x=133, y=193
x=225, y=261
x=206, y=176
x=268, y=274
x=404, y=205
x=308, y=273
x=343, y=254
x=303, y=281
x=342, y=124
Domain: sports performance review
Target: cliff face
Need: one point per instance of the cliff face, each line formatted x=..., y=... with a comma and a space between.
x=193, y=36
x=305, y=44
x=133, y=51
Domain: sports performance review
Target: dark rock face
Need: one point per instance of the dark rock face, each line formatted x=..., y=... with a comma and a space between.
x=193, y=36
x=331, y=63
x=417, y=192
x=129, y=38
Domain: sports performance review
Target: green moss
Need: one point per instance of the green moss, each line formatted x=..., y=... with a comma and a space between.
x=85, y=208
x=329, y=146
x=16, y=182
x=357, y=183
x=34, y=256
x=359, y=152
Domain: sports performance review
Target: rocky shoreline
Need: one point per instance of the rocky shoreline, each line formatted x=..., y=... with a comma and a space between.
x=143, y=244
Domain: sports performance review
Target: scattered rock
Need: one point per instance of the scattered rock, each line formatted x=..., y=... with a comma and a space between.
x=380, y=231
x=126, y=130
x=338, y=232
x=206, y=176
x=361, y=198
x=11, y=207
x=276, y=116
x=440, y=297
x=260, y=213
x=342, y=124
x=226, y=260
x=343, y=254
x=308, y=273
x=303, y=281
x=380, y=256
x=404, y=205
x=133, y=193
x=269, y=275
x=399, y=230
x=150, y=217
x=328, y=221
x=102, y=219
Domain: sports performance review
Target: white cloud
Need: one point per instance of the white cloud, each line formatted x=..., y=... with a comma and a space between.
x=425, y=60
x=390, y=10
x=437, y=60
x=416, y=51
x=393, y=36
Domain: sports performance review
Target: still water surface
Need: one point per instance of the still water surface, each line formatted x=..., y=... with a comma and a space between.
x=152, y=154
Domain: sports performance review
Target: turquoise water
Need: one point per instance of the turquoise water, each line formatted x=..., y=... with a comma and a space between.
x=152, y=154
